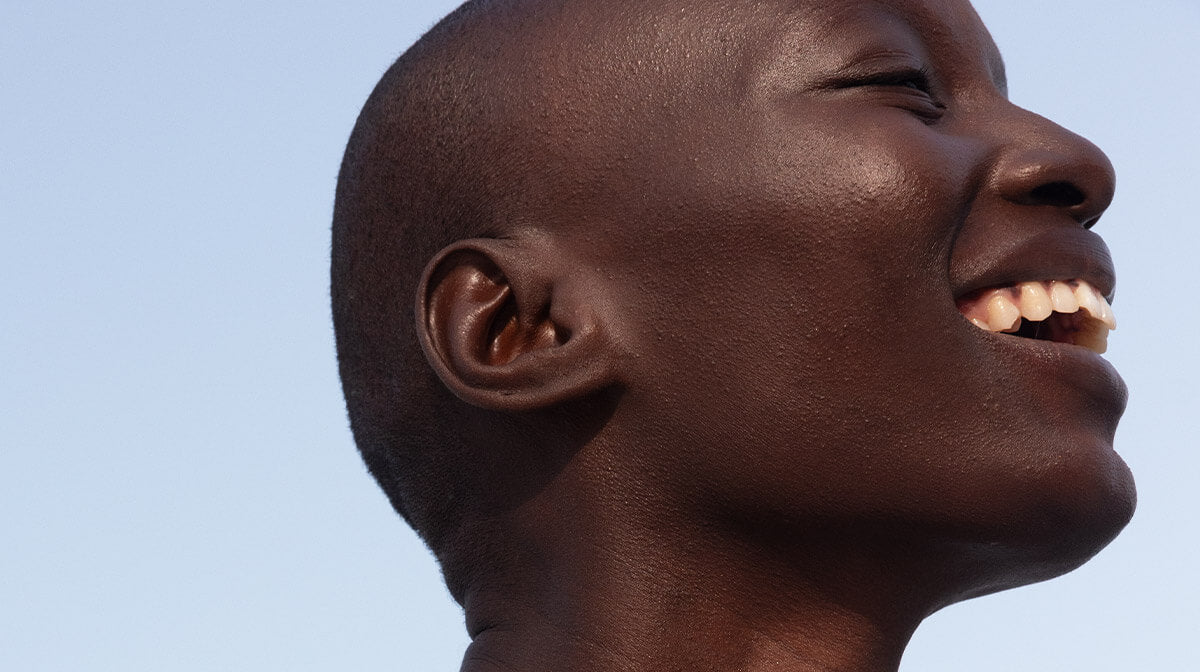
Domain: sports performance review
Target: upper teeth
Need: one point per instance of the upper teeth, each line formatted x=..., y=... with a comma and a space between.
x=1001, y=309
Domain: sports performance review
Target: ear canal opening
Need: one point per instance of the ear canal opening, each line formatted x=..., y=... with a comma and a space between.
x=509, y=335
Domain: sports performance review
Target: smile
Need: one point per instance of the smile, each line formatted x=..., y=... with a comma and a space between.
x=1070, y=311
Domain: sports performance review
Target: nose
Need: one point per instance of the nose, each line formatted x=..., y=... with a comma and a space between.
x=1044, y=165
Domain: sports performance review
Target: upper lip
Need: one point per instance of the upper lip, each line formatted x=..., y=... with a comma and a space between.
x=1054, y=254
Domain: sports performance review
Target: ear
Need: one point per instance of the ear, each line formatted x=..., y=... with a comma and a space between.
x=504, y=332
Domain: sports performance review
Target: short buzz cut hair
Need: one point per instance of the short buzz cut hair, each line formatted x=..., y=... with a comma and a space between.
x=447, y=148
x=411, y=182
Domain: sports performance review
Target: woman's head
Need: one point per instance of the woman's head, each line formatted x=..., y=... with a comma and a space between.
x=703, y=267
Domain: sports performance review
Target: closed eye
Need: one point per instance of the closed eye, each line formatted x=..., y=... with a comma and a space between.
x=913, y=87
x=916, y=79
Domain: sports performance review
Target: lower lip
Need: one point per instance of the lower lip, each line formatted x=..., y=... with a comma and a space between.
x=1075, y=364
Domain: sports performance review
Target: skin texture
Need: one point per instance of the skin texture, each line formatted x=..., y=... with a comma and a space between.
x=684, y=385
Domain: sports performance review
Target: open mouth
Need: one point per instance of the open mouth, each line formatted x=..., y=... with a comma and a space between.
x=1062, y=311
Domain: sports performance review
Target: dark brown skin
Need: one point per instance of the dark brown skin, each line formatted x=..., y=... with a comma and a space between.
x=743, y=284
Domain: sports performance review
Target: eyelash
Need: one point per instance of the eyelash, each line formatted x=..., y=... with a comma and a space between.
x=918, y=77
x=915, y=79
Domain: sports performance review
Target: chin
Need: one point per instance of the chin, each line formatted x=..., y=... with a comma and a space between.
x=1056, y=522
x=1087, y=508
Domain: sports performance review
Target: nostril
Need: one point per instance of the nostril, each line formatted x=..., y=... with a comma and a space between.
x=1058, y=194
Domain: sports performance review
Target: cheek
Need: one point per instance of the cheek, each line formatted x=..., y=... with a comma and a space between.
x=895, y=193
x=823, y=237
x=876, y=193
x=799, y=285
x=852, y=227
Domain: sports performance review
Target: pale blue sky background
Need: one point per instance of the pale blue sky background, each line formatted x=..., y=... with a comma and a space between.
x=178, y=489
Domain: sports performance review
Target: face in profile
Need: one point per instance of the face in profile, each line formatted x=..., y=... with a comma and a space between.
x=791, y=289
x=853, y=273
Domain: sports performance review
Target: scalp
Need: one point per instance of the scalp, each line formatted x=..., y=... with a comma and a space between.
x=408, y=185
x=458, y=140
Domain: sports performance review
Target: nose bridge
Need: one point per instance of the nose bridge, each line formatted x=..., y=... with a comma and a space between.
x=1039, y=163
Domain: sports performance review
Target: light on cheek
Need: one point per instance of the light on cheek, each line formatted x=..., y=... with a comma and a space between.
x=883, y=178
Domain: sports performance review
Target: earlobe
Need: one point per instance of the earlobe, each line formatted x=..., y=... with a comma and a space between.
x=499, y=331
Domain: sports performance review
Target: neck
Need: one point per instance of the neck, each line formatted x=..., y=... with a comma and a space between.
x=684, y=637
x=624, y=603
